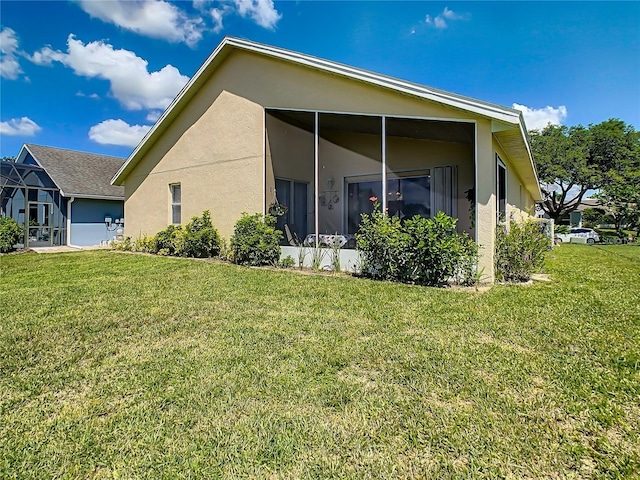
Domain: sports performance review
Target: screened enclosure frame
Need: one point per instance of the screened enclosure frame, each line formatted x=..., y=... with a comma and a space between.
x=438, y=179
x=31, y=198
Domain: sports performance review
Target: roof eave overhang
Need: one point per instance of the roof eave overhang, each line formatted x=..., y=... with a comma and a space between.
x=520, y=155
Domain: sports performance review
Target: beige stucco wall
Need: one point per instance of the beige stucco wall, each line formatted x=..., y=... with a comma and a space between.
x=485, y=193
x=215, y=147
x=216, y=156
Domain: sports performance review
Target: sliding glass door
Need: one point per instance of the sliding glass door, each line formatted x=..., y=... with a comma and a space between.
x=407, y=196
x=40, y=224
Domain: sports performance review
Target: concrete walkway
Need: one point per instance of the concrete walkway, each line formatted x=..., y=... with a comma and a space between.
x=66, y=248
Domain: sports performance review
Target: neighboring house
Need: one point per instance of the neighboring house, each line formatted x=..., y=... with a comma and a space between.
x=62, y=197
x=574, y=218
x=256, y=120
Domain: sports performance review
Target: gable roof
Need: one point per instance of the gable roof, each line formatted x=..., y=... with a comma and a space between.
x=77, y=174
x=506, y=122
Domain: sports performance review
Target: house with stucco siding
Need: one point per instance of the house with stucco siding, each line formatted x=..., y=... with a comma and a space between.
x=258, y=125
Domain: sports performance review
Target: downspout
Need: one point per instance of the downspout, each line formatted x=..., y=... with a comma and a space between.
x=69, y=202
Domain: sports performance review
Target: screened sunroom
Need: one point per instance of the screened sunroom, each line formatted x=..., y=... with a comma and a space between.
x=330, y=168
x=31, y=198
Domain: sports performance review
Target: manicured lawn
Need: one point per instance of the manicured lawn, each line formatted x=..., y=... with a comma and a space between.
x=119, y=366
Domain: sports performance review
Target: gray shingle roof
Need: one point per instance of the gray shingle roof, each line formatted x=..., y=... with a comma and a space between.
x=79, y=173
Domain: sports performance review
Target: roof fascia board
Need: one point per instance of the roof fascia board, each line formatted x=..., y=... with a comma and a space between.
x=525, y=139
x=22, y=153
x=94, y=197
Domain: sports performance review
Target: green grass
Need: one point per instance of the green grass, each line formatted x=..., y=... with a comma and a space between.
x=124, y=366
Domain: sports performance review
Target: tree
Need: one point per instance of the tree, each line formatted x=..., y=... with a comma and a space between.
x=573, y=160
x=594, y=217
x=561, y=156
x=621, y=200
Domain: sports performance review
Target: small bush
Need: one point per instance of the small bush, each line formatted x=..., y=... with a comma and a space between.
x=198, y=238
x=124, y=245
x=144, y=244
x=425, y=251
x=256, y=241
x=226, y=252
x=286, y=262
x=439, y=253
x=317, y=257
x=167, y=239
x=520, y=250
x=10, y=233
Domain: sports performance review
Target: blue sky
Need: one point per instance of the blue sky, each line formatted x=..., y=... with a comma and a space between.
x=93, y=75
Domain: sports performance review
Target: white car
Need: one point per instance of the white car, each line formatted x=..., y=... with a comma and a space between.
x=588, y=233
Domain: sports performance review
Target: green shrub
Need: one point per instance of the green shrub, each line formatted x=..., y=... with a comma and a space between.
x=286, y=262
x=520, y=250
x=198, y=238
x=256, y=241
x=226, y=252
x=10, y=233
x=166, y=240
x=438, y=252
x=425, y=251
x=383, y=245
x=124, y=245
x=144, y=244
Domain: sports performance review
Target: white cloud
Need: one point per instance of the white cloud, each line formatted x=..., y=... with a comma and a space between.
x=131, y=83
x=153, y=116
x=201, y=4
x=118, y=132
x=216, y=16
x=24, y=127
x=262, y=12
x=450, y=14
x=152, y=18
x=537, y=118
x=164, y=20
x=440, y=21
x=80, y=93
x=9, y=66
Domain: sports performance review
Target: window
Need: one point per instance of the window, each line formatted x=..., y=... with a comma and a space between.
x=407, y=196
x=501, y=191
x=176, y=203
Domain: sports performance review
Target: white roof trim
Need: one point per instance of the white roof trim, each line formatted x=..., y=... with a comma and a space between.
x=490, y=110
x=21, y=156
x=93, y=197
x=525, y=138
